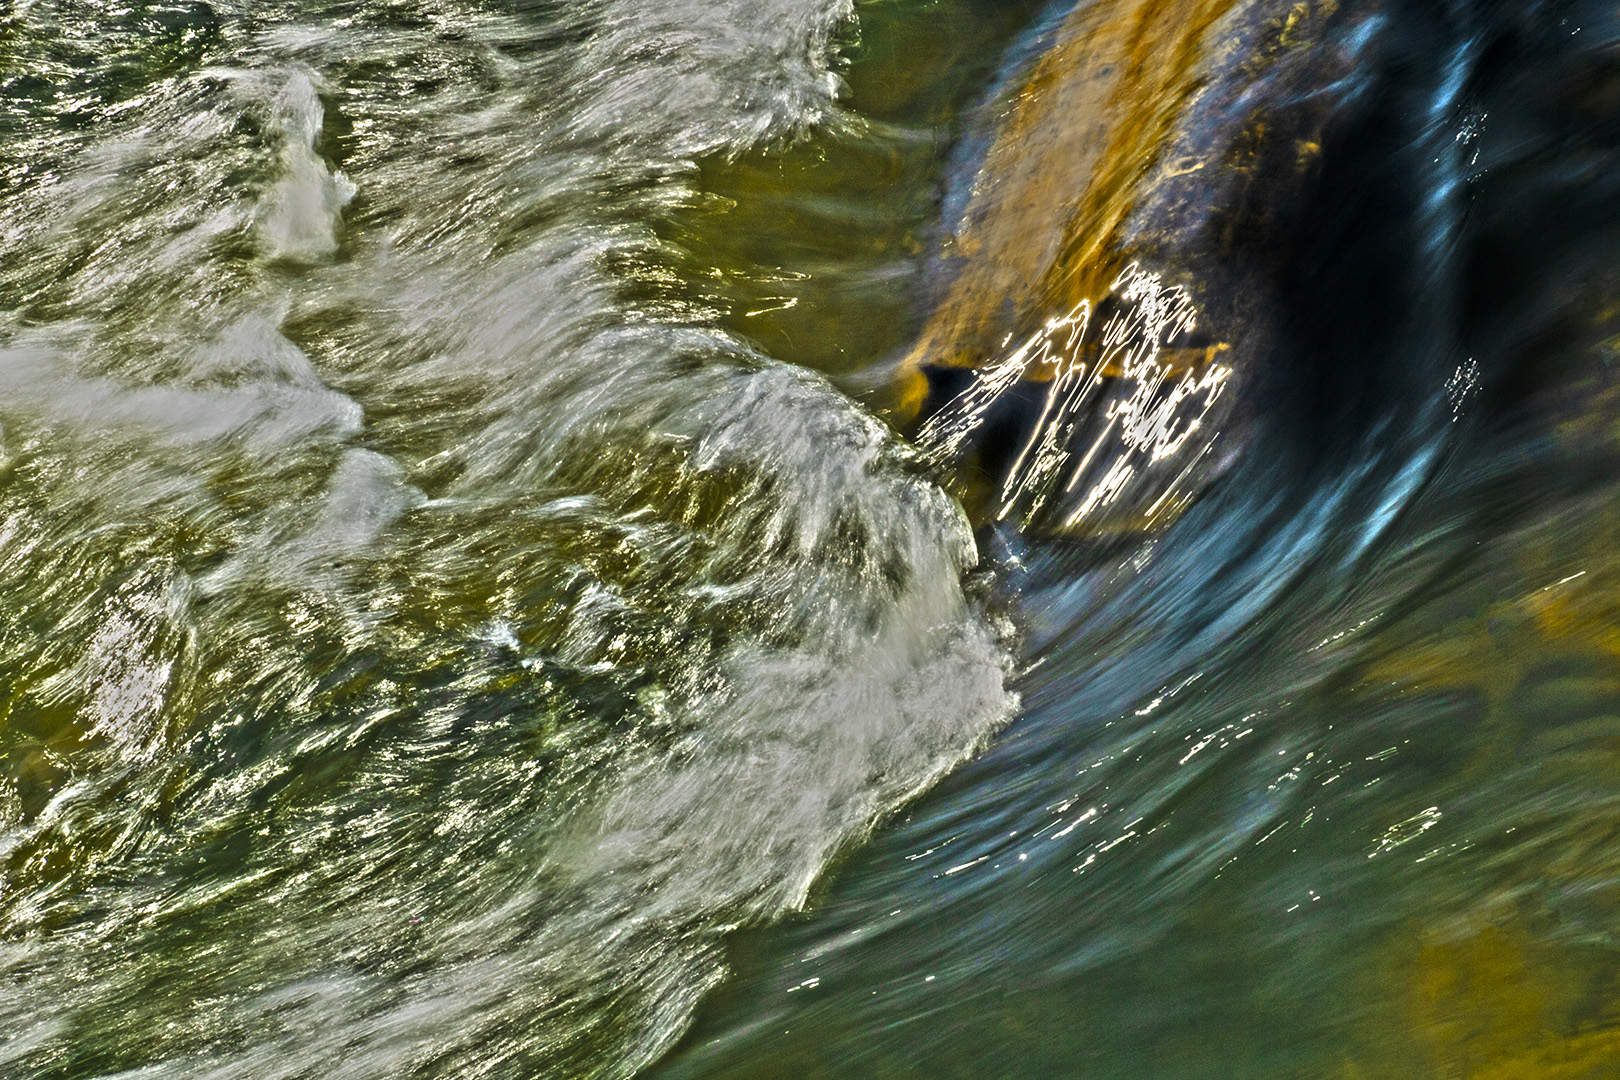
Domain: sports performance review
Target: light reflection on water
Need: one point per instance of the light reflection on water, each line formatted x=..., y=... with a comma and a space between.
x=435, y=645
x=1067, y=472
x=1317, y=778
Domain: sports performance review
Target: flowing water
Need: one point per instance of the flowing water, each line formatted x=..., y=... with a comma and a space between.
x=473, y=603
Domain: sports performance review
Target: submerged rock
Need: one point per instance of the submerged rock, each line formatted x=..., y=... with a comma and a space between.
x=1114, y=266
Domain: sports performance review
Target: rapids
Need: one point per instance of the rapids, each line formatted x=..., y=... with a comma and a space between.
x=408, y=596
x=482, y=592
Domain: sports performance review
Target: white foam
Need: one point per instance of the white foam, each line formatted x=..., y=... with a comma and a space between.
x=301, y=216
x=728, y=547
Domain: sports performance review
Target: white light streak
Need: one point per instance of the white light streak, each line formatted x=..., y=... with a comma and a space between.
x=1117, y=394
x=1404, y=831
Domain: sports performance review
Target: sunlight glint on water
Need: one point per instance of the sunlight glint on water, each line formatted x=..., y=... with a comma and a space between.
x=431, y=638
x=465, y=618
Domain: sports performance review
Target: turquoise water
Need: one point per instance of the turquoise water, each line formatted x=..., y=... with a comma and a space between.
x=476, y=604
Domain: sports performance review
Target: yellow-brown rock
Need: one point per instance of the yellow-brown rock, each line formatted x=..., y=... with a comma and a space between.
x=1133, y=134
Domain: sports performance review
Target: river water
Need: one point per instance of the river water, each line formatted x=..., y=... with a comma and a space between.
x=475, y=605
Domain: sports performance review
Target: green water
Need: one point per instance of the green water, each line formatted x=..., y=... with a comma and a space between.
x=468, y=610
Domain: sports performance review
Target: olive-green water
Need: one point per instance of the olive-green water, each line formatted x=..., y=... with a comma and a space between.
x=472, y=602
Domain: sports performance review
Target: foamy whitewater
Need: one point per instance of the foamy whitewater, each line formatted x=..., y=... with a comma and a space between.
x=505, y=632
